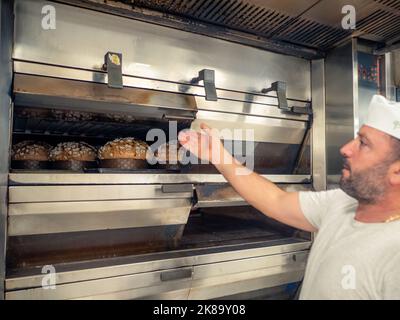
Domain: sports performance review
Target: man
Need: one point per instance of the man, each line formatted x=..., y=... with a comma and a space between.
x=356, y=251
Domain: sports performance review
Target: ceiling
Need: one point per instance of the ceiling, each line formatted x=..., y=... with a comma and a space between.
x=304, y=28
x=310, y=23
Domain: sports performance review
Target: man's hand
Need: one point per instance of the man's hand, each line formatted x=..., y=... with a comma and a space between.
x=206, y=145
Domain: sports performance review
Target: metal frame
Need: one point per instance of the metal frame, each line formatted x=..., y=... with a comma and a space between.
x=151, y=51
x=318, y=138
x=341, y=73
x=6, y=38
x=229, y=101
x=389, y=77
x=118, y=178
x=245, y=268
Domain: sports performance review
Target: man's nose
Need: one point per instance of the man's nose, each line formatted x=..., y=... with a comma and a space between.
x=347, y=150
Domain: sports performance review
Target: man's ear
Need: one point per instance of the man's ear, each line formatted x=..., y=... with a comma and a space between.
x=394, y=173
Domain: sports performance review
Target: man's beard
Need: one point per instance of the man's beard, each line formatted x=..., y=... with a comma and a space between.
x=366, y=186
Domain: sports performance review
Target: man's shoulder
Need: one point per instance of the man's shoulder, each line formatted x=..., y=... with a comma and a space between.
x=337, y=196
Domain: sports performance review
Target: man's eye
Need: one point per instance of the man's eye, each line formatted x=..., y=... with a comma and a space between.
x=363, y=144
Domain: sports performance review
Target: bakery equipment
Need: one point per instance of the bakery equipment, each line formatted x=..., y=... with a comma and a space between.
x=152, y=232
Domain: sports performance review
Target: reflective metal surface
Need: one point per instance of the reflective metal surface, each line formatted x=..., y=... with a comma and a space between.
x=20, y=194
x=98, y=269
x=396, y=68
x=223, y=195
x=154, y=178
x=45, y=218
x=390, y=88
x=318, y=137
x=340, y=104
x=253, y=103
x=151, y=51
x=6, y=22
x=241, y=265
x=262, y=129
x=47, y=92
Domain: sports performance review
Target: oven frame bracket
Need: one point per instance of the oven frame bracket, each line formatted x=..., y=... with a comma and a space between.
x=113, y=67
x=208, y=77
x=280, y=88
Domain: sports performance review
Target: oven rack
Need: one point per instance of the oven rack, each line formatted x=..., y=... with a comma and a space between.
x=90, y=129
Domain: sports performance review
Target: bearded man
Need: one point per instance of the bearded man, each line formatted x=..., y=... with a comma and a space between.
x=356, y=250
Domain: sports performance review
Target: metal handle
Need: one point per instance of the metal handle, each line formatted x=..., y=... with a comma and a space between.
x=208, y=77
x=177, y=118
x=176, y=274
x=176, y=188
x=280, y=88
x=113, y=66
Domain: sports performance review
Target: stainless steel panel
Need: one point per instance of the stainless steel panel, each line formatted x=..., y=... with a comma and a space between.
x=94, y=288
x=390, y=87
x=396, y=67
x=6, y=37
x=151, y=51
x=91, y=193
x=251, y=106
x=247, y=281
x=112, y=179
x=264, y=129
x=38, y=91
x=55, y=217
x=224, y=269
x=340, y=104
x=211, y=196
x=90, y=270
x=253, y=103
x=141, y=285
x=318, y=136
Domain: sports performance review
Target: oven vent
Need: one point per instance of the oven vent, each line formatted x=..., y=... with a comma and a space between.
x=381, y=23
x=311, y=33
x=251, y=18
x=390, y=4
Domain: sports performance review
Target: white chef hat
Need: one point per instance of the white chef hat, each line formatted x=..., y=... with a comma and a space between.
x=384, y=115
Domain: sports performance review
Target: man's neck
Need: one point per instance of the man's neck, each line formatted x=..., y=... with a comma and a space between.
x=387, y=208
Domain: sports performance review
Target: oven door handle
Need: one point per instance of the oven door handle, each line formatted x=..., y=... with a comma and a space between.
x=176, y=188
x=179, y=274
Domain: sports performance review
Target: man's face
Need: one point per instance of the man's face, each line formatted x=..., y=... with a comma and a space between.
x=366, y=162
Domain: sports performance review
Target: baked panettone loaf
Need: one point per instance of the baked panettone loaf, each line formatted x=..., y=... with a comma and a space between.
x=72, y=115
x=31, y=150
x=79, y=151
x=125, y=148
x=168, y=153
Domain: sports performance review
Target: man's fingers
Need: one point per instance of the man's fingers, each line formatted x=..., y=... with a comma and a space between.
x=188, y=137
x=205, y=128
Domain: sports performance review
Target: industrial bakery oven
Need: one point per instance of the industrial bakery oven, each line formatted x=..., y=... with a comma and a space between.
x=109, y=232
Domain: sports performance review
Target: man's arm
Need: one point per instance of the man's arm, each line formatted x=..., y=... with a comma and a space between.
x=256, y=190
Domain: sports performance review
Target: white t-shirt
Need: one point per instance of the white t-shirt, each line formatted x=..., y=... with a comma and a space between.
x=349, y=259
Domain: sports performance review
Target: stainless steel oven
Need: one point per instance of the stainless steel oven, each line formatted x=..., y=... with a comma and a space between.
x=153, y=233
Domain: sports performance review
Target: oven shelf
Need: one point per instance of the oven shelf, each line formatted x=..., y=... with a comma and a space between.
x=90, y=129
